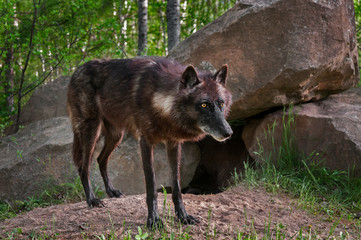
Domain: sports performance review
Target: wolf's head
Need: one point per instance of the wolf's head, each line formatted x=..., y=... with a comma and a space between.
x=210, y=100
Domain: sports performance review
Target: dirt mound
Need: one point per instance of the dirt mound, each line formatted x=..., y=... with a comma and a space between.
x=223, y=215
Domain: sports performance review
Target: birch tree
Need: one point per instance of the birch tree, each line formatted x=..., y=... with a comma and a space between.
x=142, y=27
x=173, y=23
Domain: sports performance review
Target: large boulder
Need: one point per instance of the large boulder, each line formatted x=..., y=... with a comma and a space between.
x=279, y=51
x=34, y=158
x=40, y=155
x=330, y=128
x=48, y=101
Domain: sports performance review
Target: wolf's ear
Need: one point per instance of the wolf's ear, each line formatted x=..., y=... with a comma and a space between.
x=189, y=78
x=221, y=75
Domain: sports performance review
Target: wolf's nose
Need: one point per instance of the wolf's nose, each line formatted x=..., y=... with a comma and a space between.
x=228, y=134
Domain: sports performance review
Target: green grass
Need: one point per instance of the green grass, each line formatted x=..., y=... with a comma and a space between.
x=287, y=169
x=63, y=193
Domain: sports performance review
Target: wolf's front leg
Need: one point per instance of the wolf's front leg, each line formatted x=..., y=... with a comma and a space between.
x=153, y=220
x=174, y=158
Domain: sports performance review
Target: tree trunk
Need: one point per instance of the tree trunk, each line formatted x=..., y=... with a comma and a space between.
x=142, y=27
x=22, y=79
x=9, y=79
x=173, y=23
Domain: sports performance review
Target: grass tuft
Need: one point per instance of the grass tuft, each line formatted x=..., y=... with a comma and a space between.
x=286, y=168
x=63, y=193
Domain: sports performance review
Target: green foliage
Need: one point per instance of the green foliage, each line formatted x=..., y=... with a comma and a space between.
x=197, y=14
x=141, y=235
x=69, y=33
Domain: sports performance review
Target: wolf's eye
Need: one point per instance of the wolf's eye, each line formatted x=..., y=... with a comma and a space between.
x=204, y=105
x=222, y=105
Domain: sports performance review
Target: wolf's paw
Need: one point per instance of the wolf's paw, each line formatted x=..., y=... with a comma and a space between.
x=188, y=219
x=154, y=224
x=114, y=193
x=95, y=202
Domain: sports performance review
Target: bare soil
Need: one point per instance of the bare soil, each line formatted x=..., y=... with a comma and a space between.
x=221, y=216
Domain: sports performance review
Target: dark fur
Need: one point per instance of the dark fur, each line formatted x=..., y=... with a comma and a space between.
x=156, y=99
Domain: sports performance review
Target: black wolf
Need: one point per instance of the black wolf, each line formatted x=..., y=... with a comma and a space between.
x=157, y=100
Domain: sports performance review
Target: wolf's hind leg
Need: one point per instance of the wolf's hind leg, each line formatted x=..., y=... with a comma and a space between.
x=87, y=134
x=112, y=137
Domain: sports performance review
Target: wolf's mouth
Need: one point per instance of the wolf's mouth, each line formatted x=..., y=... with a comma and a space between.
x=221, y=139
x=220, y=136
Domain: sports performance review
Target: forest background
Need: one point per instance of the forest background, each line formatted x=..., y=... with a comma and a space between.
x=41, y=40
